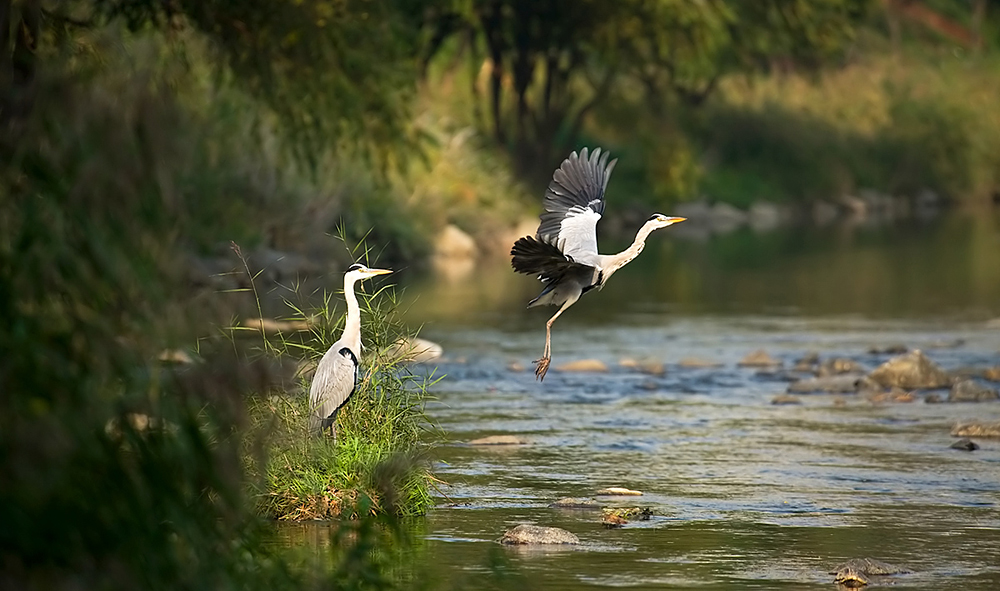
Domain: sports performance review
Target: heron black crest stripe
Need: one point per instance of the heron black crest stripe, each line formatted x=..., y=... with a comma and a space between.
x=356, y=267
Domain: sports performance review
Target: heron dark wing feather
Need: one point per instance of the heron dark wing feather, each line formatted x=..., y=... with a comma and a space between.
x=578, y=184
x=532, y=256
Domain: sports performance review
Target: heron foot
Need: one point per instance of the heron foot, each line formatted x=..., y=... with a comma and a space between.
x=542, y=367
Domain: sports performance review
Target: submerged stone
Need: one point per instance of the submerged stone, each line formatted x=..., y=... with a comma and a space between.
x=858, y=572
x=971, y=391
x=839, y=384
x=537, y=534
x=574, y=503
x=499, y=440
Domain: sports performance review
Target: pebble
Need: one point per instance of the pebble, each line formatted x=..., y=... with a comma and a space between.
x=619, y=492
x=786, y=399
x=697, y=362
x=575, y=503
x=839, y=366
x=537, y=534
x=759, y=358
x=584, y=365
x=647, y=366
x=499, y=440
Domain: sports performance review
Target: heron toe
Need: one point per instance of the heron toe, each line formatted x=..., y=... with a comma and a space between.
x=542, y=367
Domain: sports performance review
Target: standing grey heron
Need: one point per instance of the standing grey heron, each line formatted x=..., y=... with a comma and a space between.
x=563, y=253
x=337, y=373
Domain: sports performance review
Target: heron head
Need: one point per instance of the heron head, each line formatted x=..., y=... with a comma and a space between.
x=658, y=220
x=357, y=271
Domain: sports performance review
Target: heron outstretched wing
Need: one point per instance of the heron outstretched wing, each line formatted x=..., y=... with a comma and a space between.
x=334, y=382
x=532, y=256
x=574, y=203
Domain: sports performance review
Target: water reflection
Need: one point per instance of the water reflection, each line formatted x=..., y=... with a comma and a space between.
x=945, y=268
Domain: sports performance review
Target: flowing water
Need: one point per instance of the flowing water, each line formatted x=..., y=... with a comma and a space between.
x=745, y=494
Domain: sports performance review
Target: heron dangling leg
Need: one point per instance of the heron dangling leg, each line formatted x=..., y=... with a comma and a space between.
x=542, y=365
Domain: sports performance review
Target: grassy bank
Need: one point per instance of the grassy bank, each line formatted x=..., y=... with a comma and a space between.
x=375, y=464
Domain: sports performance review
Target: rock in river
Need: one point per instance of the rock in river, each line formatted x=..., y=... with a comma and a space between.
x=584, y=365
x=697, y=362
x=618, y=491
x=965, y=445
x=574, y=503
x=498, y=440
x=839, y=383
x=859, y=572
x=537, y=534
x=759, y=358
x=839, y=366
x=785, y=399
x=911, y=371
x=971, y=391
x=977, y=429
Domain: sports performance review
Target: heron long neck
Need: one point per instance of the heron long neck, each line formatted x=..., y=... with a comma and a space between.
x=616, y=261
x=352, y=326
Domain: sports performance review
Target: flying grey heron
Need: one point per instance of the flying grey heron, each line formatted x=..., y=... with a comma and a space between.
x=563, y=253
x=337, y=373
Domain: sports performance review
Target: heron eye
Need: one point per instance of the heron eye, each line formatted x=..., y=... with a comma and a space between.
x=356, y=267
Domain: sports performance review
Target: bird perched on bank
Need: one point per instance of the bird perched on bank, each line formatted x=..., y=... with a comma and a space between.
x=563, y=253
x=337, y=372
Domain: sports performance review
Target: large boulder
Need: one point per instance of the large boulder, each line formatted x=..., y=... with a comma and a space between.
x=537, y=534
x=911, y=371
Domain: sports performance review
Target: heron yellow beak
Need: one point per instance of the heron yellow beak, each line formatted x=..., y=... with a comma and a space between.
x=379, y=271
x=675, y=220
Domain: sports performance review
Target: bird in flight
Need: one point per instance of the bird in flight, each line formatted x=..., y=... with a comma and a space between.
x=563, y=253
x=337, y=373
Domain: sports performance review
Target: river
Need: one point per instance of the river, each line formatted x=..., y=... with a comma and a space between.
x=745, y=494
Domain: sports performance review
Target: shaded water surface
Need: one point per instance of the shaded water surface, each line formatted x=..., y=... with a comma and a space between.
x=745, y=494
